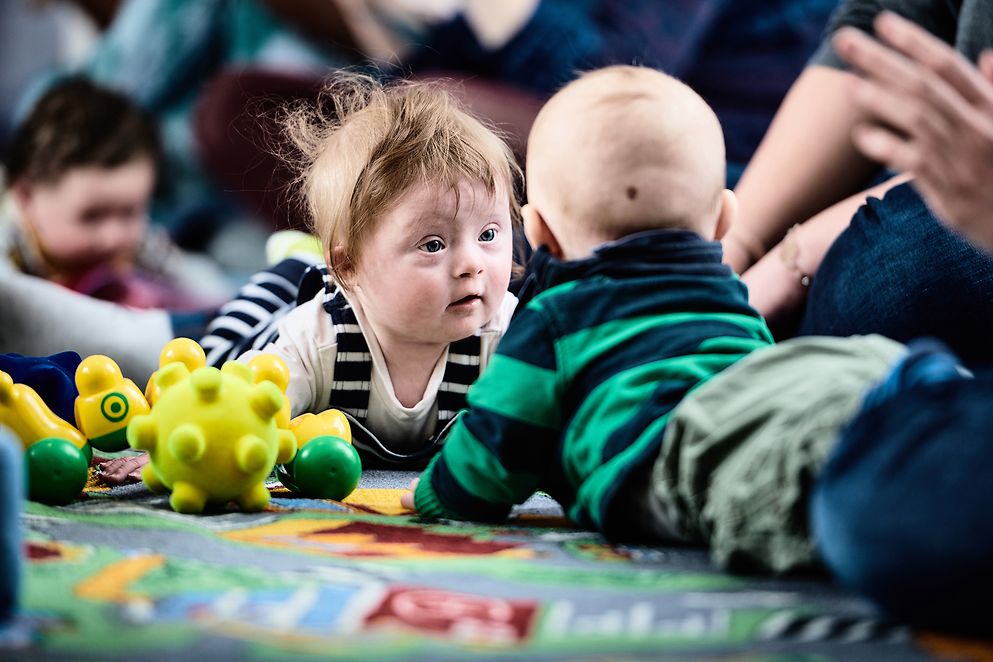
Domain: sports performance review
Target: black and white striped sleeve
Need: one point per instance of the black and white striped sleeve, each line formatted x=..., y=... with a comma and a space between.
x=250, y=320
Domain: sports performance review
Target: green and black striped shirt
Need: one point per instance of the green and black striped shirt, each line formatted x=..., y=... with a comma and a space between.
x=580, y=389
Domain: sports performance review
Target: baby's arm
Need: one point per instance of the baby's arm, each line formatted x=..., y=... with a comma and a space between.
x=500, y=449
x=306, y=342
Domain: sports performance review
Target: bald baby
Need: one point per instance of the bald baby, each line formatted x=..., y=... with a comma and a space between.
x=621, y=150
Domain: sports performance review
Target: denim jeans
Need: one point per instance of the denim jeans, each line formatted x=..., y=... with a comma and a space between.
x=898, y=272
x=12, y=493
x=901, y=510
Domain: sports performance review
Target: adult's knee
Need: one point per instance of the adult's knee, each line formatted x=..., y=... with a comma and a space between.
x=899, y=272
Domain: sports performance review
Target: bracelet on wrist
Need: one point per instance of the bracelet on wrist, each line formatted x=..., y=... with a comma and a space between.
x=790, y=256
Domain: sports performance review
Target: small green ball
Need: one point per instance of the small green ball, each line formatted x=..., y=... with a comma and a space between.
x=56, y=471
x=325, y=468
x=284, y=472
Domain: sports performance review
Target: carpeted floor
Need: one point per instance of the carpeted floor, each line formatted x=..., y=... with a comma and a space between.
x=119, y=576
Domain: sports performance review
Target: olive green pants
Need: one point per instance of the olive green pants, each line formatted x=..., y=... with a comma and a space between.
x=742, y=451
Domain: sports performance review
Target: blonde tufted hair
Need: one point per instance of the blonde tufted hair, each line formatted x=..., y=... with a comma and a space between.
x=365, y=143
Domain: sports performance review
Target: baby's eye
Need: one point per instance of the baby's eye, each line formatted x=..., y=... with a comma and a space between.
x=488, y=234
x=432, y=246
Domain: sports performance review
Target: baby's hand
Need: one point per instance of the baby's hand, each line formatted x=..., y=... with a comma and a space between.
x=122, y=470
x=407, y=498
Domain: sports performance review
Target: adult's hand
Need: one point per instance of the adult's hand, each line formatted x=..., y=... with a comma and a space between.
x=928, y=113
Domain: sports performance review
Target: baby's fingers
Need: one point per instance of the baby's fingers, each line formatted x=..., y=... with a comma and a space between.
x=120, y=470
x=407, y=498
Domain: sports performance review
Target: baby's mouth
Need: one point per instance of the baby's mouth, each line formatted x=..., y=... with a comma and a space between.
x=466, y=300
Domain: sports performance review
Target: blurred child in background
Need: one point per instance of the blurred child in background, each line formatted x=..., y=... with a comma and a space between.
x=81, y=170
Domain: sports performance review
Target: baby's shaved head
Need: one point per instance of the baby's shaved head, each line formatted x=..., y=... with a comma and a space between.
x=625, y=149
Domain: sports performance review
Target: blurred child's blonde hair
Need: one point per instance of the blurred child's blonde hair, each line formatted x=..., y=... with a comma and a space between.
x=364, y=144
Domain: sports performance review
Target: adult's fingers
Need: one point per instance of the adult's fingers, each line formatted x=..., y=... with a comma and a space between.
x=872, y=58
x=885, y=146
x=938, y=57
x=986, y=65
x=904, y=154
x=907, y=113
x=892, y=71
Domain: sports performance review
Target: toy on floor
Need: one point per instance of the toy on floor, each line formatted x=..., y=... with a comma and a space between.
x=269, y=368
x=11, y=493
x=211, y=436
x=52, y=378
x=106, y=404
x=327, y=466
x=56, y=455
x=181, y=350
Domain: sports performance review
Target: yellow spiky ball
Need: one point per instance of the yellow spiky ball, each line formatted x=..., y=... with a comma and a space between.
x=212, y=436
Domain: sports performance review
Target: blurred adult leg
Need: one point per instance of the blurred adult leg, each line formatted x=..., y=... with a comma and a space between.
x=899, y=272
x=900, y=511
x=39, y=318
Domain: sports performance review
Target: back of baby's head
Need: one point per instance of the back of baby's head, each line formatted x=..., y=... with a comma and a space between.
x=365, y=144
x=625, y=149
x=79, y=124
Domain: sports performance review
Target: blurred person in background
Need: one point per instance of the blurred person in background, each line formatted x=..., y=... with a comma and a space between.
x=82, y=167
x=833, y=241
x=504, y=59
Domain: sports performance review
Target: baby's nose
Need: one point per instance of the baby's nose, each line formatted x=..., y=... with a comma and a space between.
x=470, y=263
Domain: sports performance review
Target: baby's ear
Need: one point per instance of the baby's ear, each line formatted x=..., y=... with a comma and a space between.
x=538, y=232
x=20, y=192
x=342, y=265
x=727, y=214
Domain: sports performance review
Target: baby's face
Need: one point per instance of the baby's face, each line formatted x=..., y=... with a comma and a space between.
x=433, y=271
x=91, y=216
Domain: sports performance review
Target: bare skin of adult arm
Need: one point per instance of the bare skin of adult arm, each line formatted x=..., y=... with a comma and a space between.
x=348, y=25
x=774, y=285
x=805, y=163
x=928, y=112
